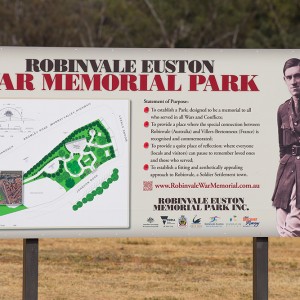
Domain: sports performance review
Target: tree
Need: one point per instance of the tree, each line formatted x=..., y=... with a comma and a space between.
x=172, y=23
x=70, y=183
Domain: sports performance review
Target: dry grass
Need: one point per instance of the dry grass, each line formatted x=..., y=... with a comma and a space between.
x=151, y=269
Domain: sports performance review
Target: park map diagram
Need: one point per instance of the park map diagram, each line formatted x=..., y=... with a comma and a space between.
x=77, y=156
x=86, y=153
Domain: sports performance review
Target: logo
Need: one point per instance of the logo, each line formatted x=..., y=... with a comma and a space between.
x=164, y=219
x=150, y=220
x=196, y=223
x=214, y=219
x=250, y=222
x=233, y=219
x=150, y=223
x=214, y=222
x=233, y=222
x=182, y=222
x=168, y=222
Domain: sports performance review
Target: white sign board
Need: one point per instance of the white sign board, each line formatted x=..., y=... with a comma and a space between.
x=148, y=142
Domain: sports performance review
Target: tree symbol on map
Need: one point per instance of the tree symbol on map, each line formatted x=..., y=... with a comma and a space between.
x=8, y=114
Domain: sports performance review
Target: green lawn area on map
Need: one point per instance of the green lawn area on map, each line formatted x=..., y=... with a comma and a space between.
x=94, y=146
x=4, y=210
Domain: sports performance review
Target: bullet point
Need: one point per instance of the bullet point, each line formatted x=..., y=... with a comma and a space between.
x=146, y=109
x=146, y=124
x=146, y=167
x=146, y=145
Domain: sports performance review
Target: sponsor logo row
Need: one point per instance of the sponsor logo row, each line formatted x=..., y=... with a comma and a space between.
x=198, y=222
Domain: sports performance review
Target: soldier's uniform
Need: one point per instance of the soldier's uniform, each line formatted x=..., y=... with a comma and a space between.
x=286, y=197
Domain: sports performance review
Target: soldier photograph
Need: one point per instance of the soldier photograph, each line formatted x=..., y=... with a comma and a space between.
x=286, y=197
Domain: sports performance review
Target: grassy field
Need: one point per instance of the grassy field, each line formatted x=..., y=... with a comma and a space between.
x=151, y=269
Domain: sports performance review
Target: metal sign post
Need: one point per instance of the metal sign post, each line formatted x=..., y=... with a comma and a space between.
x=260, y=268
x=30, y=269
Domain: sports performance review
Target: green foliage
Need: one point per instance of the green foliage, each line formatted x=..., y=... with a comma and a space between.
x=73, y=167
x=115, y=177
x=89, y=197
x=98, y=191
x=101, y=140
x=112, y=152
x=87, y=160
x=88, y=171
x=65, y=175
x=62, y=176
x=172, y=23
x=105, y=185
x=61, y=153
x=100, y=152
x=70, y=182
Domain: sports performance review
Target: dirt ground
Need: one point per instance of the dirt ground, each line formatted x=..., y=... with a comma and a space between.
x=151, y=269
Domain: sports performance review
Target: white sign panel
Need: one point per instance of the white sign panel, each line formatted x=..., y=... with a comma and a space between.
x=149, y=142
